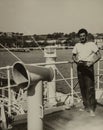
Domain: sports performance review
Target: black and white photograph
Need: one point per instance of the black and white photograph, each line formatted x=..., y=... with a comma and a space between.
x=51, y=64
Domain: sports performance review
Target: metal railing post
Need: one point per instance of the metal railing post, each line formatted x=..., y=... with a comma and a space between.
x=98, y=74
x=71, y=80
x=9, y=90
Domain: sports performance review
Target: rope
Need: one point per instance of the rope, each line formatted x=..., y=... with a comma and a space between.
x=66, y=81
x=37, y=44
x=11, y=52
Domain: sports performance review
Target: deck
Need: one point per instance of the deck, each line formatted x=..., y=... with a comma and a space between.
x=74, y=119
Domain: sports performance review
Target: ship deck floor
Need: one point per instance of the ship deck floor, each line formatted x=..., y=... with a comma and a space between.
x=74, y=119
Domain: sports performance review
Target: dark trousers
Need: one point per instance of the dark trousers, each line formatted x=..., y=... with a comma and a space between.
x=87, y=86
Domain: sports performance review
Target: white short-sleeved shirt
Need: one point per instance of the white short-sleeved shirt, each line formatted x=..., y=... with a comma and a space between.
x=85, y=52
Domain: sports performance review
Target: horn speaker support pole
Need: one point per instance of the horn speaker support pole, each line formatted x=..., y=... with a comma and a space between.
x=35, y=108
x=30, y=78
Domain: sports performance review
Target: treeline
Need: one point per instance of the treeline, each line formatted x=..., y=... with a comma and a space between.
x=11, y=39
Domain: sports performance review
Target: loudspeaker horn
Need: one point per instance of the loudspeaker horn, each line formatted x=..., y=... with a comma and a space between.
x=26, y=75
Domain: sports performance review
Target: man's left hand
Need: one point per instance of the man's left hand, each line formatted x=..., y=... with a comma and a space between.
x=89, y=63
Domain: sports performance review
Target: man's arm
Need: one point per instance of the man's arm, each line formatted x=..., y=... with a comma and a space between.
x=75, y=59
x=96, y=58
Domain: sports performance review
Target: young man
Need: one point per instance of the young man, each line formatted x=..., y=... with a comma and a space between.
x=85, y=55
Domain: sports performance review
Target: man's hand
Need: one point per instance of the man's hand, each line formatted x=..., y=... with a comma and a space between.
x=75, y=59
x=89, y=63
x=85, y=63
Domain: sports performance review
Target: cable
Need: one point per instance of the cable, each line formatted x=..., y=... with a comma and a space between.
x=11, y=52
x=37, y=43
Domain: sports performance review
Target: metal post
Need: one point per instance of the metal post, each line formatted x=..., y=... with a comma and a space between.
x=50, y=55
x=98, y=90
x=98, y=74
x=35, y=107
x=72, y=91
x=9, y=90
x=3, y=118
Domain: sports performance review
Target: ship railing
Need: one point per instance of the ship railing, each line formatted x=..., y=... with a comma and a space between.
x=73, y=93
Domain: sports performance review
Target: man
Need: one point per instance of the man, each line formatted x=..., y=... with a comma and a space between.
x=85, y=55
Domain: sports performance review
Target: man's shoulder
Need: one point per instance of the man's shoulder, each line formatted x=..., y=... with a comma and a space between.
x=91, y=43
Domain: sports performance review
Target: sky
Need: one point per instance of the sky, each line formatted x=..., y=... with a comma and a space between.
x=49, y=16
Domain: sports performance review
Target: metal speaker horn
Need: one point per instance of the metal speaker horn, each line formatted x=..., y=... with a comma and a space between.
x=26, y=75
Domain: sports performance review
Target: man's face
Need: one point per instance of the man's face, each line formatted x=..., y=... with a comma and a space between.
x=83, y=37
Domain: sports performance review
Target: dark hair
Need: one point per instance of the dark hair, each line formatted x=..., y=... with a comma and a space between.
x=82, y=31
